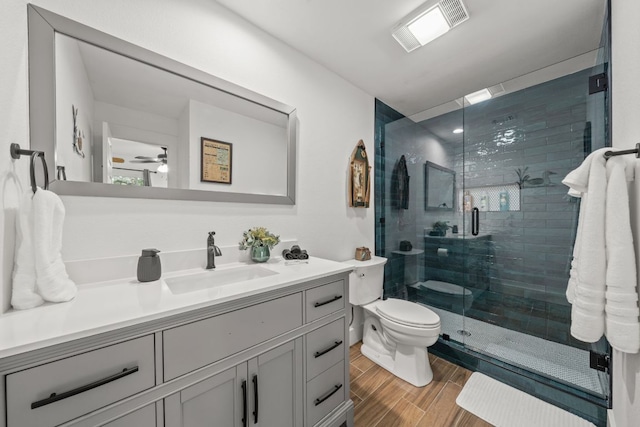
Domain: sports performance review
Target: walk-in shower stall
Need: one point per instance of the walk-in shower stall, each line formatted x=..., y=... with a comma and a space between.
x=472, y=215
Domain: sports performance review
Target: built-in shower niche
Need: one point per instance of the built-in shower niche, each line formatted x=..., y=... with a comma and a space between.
x=492, y=198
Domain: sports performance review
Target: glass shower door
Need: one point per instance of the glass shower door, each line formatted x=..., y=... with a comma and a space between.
x=518, y=148
x=420, y=227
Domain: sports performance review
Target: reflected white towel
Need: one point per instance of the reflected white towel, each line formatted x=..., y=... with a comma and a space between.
x=586, y=287
x=52, y=281
x=24, y=271
x=622, y=326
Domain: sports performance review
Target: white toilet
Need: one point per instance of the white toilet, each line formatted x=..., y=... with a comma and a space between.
x=396, y=332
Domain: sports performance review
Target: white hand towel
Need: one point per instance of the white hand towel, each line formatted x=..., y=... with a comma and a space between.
x=578, y=183
x=589, y=267
x=586, y=325
x=622, y=325
x=578, y=179
x=624, y=334
x=24, y=271
x=573, y=272
x=52, y=281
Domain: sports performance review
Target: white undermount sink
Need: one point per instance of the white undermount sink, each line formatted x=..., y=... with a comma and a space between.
x=214, y=278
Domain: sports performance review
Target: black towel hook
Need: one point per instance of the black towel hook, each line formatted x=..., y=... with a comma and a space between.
x=16, y=152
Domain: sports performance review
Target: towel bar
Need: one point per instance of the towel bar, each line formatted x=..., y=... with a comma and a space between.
x=16, y=152
x=636, y=151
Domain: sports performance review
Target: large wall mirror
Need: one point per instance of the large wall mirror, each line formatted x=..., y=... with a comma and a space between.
x=439, y=187
x=121, y=121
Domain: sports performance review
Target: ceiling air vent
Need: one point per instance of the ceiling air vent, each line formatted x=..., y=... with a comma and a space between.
x=428, y=22
x=405, y=38
x=454, y=11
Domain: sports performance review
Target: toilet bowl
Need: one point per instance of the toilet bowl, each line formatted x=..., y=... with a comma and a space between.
x=396, y=333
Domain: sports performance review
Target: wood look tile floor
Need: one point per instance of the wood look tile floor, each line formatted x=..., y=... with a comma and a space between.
x=383, y=400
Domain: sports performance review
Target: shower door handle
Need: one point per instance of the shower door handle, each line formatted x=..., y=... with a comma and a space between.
x=475, y=221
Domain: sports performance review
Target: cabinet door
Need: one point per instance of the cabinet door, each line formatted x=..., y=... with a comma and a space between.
x=275, y=384
x=216, y=401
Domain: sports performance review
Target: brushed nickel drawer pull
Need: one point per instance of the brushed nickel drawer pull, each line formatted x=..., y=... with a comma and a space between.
x=320, y=353
x=329, y=301
x=328, y=395
x=55, y=397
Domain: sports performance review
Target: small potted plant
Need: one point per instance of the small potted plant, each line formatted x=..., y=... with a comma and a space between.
x=439, y=228
x=260, y=241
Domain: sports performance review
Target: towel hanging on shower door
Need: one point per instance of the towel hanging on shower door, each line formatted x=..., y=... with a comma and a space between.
x=400, y=185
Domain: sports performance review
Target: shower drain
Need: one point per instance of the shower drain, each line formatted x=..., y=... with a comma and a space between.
x=463, y=332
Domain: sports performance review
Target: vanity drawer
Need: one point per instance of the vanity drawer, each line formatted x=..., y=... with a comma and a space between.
x=324, y=300
x=325, y=347
x=81, y=383
x=200, y=343
x=325, y=392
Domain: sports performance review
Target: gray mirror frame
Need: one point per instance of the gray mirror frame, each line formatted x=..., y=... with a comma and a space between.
x=42, y=28
x=432, y=165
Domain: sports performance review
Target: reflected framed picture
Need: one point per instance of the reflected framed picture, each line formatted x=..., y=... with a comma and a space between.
x=215, y=161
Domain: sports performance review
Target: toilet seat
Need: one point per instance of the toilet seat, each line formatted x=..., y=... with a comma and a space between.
x=407, y=313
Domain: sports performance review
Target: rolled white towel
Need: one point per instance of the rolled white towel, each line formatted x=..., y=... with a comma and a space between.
x=24, y=271
x=52, y=281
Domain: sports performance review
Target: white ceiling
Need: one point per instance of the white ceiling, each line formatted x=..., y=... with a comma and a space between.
x=503, y=39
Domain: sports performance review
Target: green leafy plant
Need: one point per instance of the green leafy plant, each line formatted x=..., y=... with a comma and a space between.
x=258, y=236
x=441, y=226
x=522, y=176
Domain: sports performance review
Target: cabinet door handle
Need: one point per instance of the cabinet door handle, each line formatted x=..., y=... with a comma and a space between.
x=55, y=397
x=328, y=395
x=244, y=403
x=255, y=398
x=320, y=353
x=329, y=301
x=475, y=221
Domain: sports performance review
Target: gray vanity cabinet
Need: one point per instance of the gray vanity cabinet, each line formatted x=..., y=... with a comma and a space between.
x=264, y=391
x=275, y=359
x=214, y=401
x=143, y=417
x=277, y=375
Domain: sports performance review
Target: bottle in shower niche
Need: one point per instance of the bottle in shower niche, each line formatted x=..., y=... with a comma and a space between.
x=484, y=202
x=467, y=201
x=504, y=200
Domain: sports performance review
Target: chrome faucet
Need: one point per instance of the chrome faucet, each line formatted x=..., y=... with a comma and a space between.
x=212, y=251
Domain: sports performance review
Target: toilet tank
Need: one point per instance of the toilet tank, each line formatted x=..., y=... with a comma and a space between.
x=366, y=280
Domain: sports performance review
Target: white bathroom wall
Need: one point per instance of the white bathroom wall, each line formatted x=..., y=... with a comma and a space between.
x=257, y=147
x=75, y=90
x=333, y=116
x=625, y=85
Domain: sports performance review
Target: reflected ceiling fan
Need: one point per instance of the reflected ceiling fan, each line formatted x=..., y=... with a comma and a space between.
x=161, y=158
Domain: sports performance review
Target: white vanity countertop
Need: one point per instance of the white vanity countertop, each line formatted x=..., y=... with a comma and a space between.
x=107, y=306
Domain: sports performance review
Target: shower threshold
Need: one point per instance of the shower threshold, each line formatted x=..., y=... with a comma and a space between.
x=560, y=362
